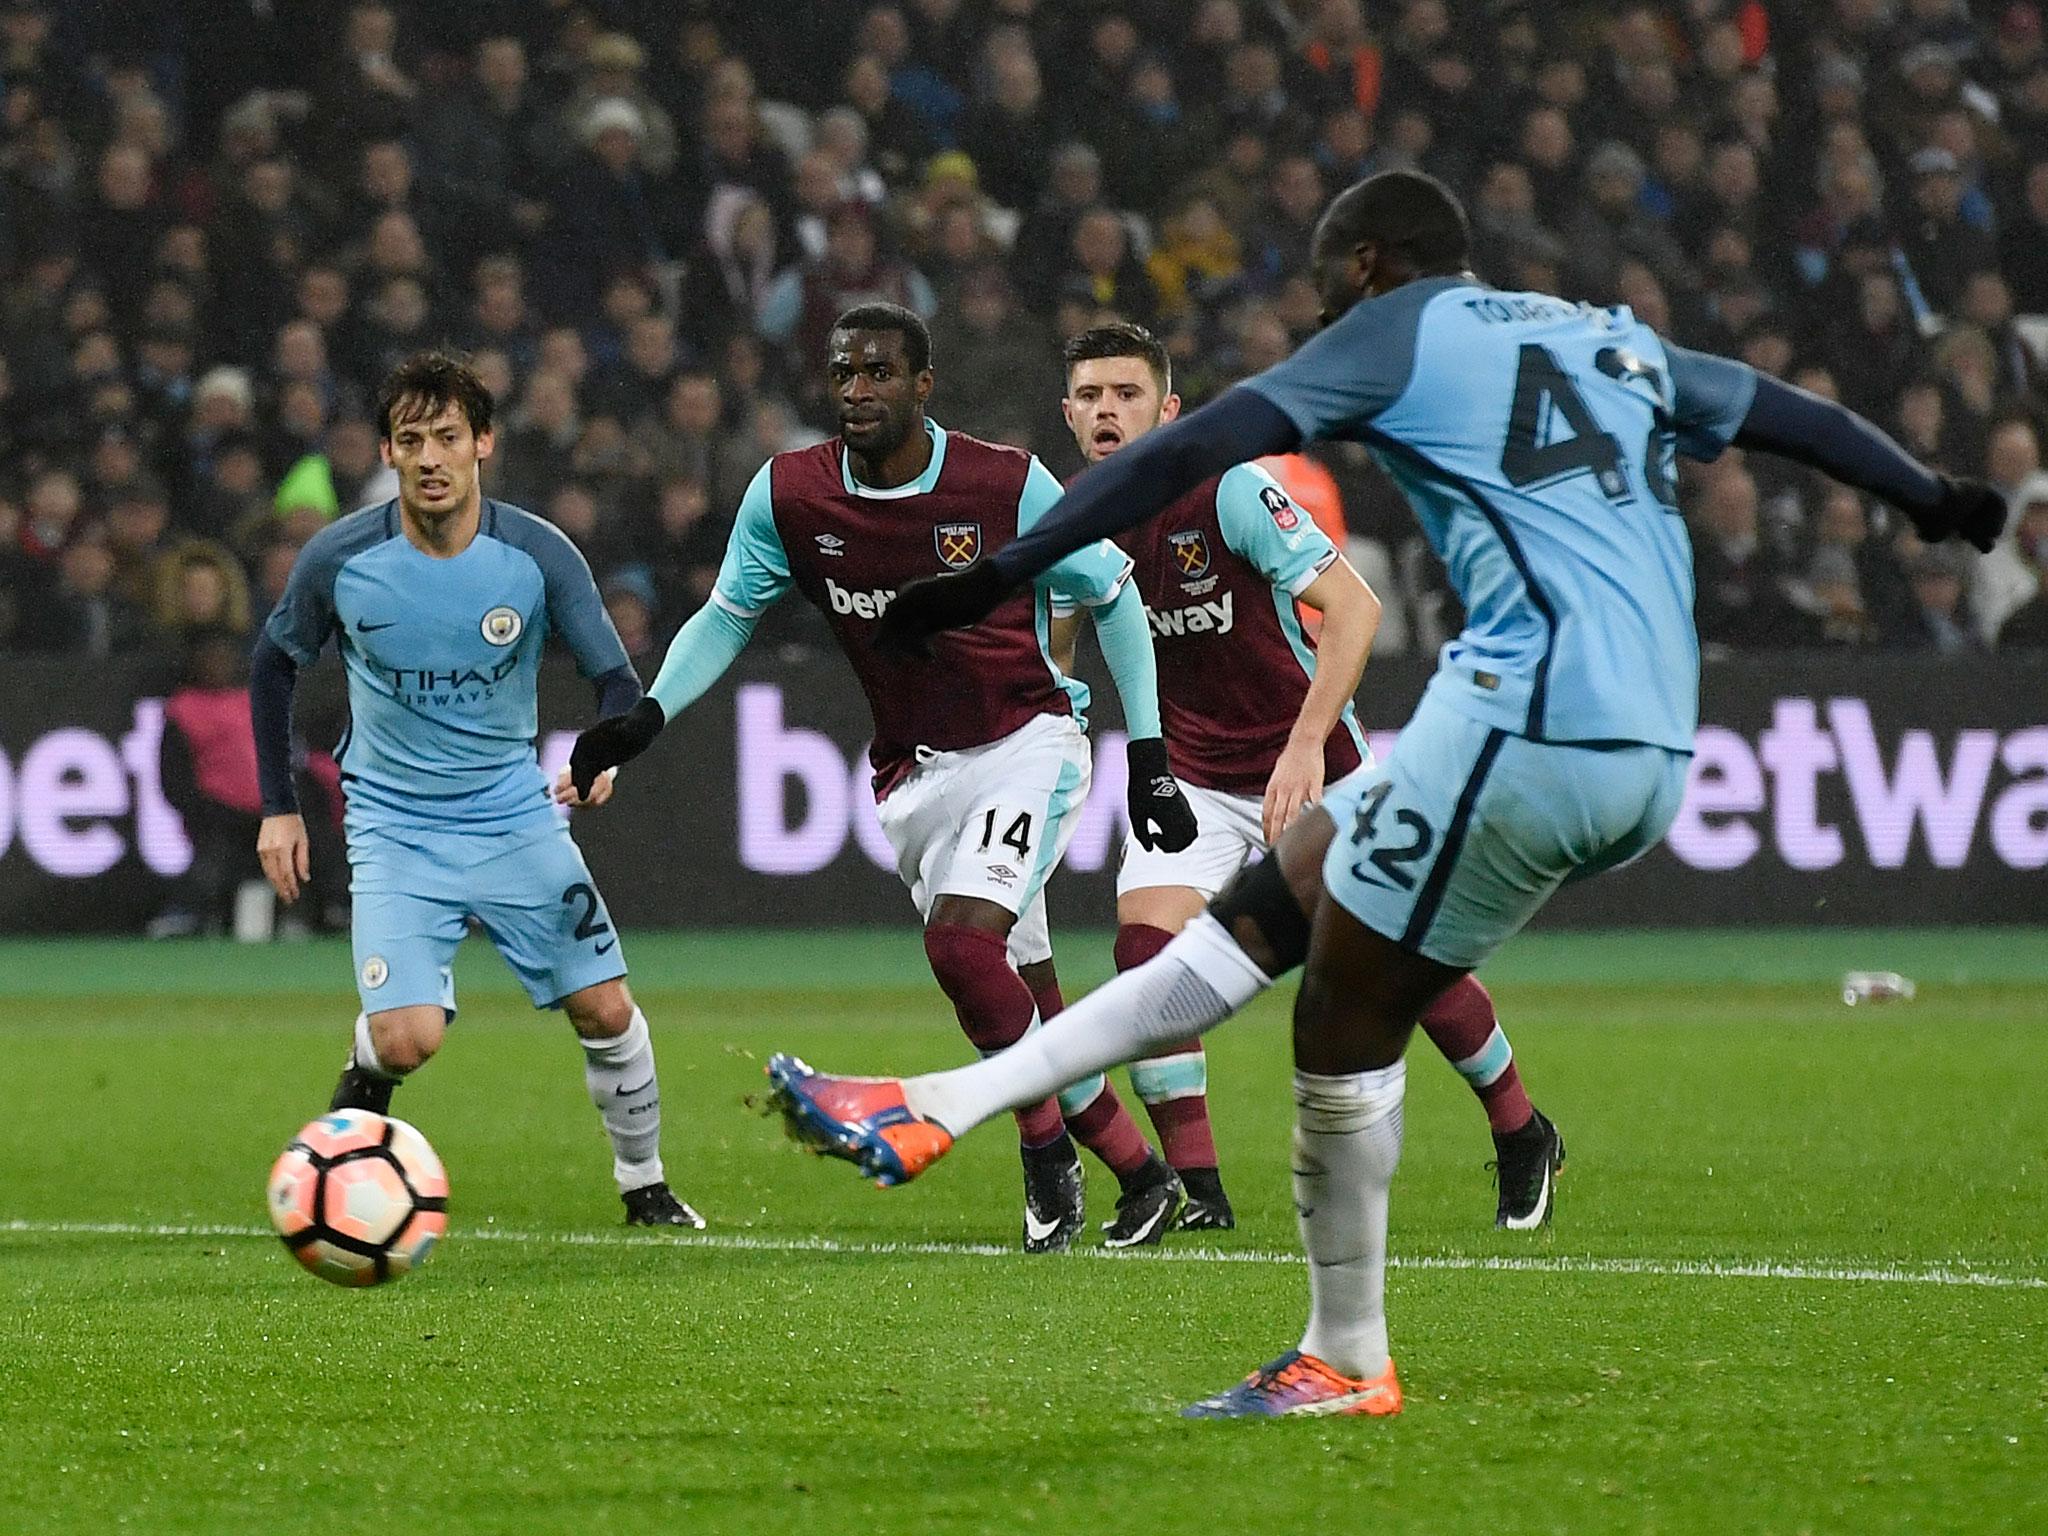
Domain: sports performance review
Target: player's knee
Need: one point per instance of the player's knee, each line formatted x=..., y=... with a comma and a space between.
x=962, y=957
x=600, y=1013
x=407, y=1038
x=1260, y=911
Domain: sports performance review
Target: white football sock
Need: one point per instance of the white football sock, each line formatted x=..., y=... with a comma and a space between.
x=1192, y=985
x=620, y=1075
x=366, y=1051
x=1347, y=1142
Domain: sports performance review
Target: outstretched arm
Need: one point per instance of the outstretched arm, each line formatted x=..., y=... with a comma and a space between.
x=754, y=576
x=1718, y=402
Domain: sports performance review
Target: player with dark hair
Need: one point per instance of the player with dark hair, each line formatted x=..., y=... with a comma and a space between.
x=1535, y=440
x=440, y=602
x=980, y=757
x=1259, y=719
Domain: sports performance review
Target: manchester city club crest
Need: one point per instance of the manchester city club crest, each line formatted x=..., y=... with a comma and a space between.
x=959, y=544
x=501, y=626
x=1190, y=552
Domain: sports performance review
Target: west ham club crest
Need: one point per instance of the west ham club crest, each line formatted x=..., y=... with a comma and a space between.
x=959, y=544
x=1190, y=552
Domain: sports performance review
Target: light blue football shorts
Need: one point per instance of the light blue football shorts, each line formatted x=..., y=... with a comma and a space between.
x=1453, y=843
x=415, y=891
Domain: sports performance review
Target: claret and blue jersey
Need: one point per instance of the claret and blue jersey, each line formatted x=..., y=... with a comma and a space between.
x=1560, y=529
x=442, y=658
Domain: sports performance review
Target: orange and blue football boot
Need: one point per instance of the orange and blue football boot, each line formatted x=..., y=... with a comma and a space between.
x=861, y=1119
x=1298, y=1384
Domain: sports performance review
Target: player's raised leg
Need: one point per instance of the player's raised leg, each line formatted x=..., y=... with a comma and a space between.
x=1256, y=930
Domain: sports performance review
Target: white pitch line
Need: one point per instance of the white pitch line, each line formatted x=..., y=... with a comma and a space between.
x=1688, y=1269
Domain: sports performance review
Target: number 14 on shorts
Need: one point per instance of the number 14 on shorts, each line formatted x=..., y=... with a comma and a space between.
x=1016, y=831
x=1397, y=840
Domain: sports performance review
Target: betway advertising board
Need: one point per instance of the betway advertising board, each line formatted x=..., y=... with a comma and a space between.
x=1872, y=789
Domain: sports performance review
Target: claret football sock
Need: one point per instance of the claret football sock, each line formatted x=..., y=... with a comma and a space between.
x=1347, y=1142
x=1462, y=1025
x=619, y=1072
x=1197, y=982
x=1173, y=1082
x=995, y=1009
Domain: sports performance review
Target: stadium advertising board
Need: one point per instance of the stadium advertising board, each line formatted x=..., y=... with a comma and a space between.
x=1823, y=790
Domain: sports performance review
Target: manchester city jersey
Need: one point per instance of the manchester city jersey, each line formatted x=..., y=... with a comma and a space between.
x=1535, y=441
x=442, y=657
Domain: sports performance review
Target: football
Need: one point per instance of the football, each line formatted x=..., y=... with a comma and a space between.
x=359, y=1198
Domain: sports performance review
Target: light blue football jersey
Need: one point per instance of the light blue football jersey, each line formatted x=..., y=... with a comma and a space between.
x=442, y=658
x=1535, y=440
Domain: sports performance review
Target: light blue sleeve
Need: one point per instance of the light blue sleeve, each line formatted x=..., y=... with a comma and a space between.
x=1093, y=574
x=1710, y=398
x=1347, y=374
x=575, y=610
x=1125, y=635
x=1261, y=523
x=755, y=572
x=703, y=648
x=304, y=616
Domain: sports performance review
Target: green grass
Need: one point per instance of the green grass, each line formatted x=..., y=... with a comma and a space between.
x=1723, y=1109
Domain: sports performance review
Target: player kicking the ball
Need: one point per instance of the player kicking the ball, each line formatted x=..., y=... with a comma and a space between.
x=1535, y=440
x=1259, y=719
x=979, y=754
x=440, y=602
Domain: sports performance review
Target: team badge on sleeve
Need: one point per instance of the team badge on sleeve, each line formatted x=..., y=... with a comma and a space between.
x=1190, y=552
x=1282, y=509
x=375, y=973
x=501, y=626
x=959, y=544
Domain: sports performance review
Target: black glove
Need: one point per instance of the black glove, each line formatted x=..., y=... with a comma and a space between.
x=933, y=603
x=1968, y=510
x=610, y=742
x=1161, y=818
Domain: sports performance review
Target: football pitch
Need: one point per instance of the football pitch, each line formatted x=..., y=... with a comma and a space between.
x=1798, y=1279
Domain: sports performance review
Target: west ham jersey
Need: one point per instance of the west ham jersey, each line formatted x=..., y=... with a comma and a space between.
x=1219, y=571
x=806, y=522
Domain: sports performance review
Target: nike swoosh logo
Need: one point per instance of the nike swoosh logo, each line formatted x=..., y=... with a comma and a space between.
x=627, y=1093
x=1038, y=1230
x=365, y=627
x=606, y=946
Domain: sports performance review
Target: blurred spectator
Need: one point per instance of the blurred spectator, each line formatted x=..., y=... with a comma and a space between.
x=1742, y=600
x=1942, y=621
x=800, y=306
x=200, y=586
x=2009, y=578
x=1940, y=247
x=208, y=772
x=82, y=614
x=629, y=597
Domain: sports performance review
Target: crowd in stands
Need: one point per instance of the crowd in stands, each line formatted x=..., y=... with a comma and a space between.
x=221, y=221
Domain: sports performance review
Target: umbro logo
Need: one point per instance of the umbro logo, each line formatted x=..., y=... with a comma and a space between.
x=1002, y=874
x=831, y=544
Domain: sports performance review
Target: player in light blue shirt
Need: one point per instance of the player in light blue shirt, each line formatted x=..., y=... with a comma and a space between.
x=1535, y=440
x=440, y=603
